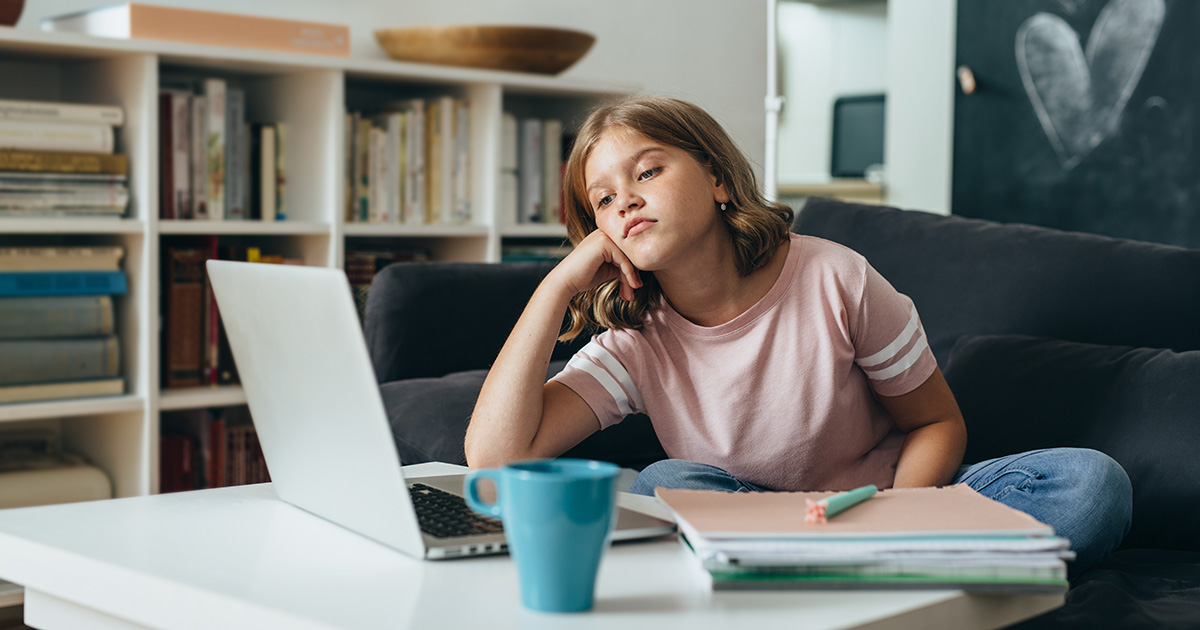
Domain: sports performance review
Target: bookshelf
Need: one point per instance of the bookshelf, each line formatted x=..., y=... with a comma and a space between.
x=311, y=95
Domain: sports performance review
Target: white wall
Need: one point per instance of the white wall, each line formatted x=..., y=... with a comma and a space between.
x=825, y=52
x=920, y=107
x=712, y=52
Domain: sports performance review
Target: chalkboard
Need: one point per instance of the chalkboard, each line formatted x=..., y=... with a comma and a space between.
x=1086, y=116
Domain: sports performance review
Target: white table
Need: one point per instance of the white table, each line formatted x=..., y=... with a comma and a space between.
x=240, y=558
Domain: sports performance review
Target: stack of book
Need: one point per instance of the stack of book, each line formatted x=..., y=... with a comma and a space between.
x=58, y=159
x=211, y=448
x=533, y=155
x=938, y=538
x=410, y=164
x=57, y=324
x=34, y=471
x=215, y=163
x=195, y=350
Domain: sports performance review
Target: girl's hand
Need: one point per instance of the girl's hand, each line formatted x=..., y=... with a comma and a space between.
x=593, y=262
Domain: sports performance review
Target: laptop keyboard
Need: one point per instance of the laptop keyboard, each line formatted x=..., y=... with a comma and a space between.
x=445, y=515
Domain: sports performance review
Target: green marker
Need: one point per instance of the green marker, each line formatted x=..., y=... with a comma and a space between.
x=825, y=509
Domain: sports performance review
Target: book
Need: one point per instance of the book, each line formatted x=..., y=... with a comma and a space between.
x=61, y=390
x=61, y=258
x=462, y=162
x=181, y=150
x=145, y=21
x=45, y=317
x=198, y=147
x=509, y=169
x=45, y=360
x=56, y=136
x=552, y=164
x=112, y=199
x=237, y=169
x=30, y=180
x=215, y=93
x=948, y=537
x=30, y=284
x=265, y=173
x=183, y=341
x=529, y=186
x=62, y=162
x=65, y=483
x=280, y=214
x=167, y=208
x=44, y=111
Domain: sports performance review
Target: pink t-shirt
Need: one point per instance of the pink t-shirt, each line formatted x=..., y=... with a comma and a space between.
x=780, y=396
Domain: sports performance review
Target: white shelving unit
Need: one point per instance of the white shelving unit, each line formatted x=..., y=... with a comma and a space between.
x=312, y=95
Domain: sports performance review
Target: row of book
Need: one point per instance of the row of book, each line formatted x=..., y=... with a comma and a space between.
x=58, y=335
x=533, y=156
x=209, y=448
x=214, y=162
x=362, y=265
x=534, y=253
x=58, y=159
x=410, y=163
x=195, y=349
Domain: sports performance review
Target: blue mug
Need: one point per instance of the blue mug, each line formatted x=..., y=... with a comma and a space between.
x=558, y=517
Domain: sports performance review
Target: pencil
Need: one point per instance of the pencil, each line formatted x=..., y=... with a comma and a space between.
x=825, y=509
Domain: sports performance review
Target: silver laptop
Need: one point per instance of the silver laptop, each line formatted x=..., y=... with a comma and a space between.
x=316, y=406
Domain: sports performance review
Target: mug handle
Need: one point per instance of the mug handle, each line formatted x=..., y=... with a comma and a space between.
x=471, y=491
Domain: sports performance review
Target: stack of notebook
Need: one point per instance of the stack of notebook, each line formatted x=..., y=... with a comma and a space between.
x=949, y=537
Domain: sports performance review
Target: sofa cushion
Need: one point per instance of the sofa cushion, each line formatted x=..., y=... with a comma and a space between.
x=429, y=418
x=975, y=277
x=1141, y=406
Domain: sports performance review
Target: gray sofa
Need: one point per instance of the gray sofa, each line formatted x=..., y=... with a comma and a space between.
x=1047, y=338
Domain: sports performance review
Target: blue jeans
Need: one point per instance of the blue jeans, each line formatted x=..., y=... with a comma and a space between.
x=1083, y=494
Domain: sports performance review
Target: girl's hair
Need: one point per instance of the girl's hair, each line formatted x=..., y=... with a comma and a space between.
x=756, y=226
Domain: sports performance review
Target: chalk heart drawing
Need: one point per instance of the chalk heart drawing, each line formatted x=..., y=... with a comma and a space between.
x=1079, y=95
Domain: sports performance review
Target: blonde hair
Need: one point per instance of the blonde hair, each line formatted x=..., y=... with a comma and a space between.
x=756, y=226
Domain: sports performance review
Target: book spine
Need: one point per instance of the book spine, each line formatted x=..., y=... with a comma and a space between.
x=281, y=143
x=462, y=162
x=447, y=126
x=61, y=162
x=61, y=258
x=62, y=283
x=214, y=132
x=181, y=159
x=433, y=162
x=63, y=390
x=392, y=175
x=552, y=133
x=401, y=171
x=420, y=178
x=235, y=181
x=199, y=159
x=266, y=173
x=348, y=175
x=211, y=318
x=113, y=198
x=45, y=360
x=54, y=136
x=166, y=158
x=362, y=186
x=530, y=187
x=184, y=280
x=144, y=21
x=376, y=183
x=56, y=317
x=41, y=111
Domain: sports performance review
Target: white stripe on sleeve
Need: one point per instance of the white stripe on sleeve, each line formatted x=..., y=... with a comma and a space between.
x=893, y=348
x=618, y=371
x=605, y=379
x=911, y=357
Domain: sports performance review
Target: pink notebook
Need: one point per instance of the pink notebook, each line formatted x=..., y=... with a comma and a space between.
x=955, y=511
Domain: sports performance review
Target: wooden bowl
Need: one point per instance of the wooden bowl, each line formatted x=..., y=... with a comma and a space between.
x=10, y=11
x=516, y=48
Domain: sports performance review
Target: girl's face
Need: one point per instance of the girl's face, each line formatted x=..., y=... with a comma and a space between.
x=656, y=202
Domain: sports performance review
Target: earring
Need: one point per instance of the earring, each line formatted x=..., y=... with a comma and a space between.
x=722, y=207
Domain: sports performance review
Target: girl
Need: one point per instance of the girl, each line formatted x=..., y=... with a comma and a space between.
x=765, y=360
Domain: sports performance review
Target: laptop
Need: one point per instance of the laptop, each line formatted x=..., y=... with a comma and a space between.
x=299, y=347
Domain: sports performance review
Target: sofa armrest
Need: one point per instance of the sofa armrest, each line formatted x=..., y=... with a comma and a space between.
x=432, y=319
